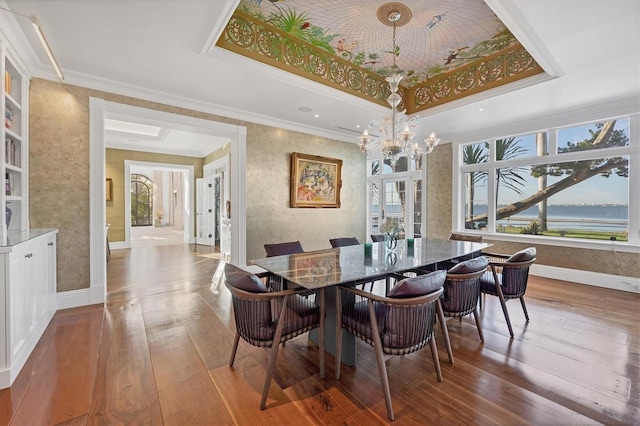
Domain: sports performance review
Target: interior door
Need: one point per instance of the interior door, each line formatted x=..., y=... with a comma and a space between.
x=205, y=211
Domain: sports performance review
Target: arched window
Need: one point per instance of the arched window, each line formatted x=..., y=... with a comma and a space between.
x=141, y=200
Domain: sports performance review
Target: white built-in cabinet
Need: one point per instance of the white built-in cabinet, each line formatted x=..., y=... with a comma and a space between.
x=27, y=296
x=27, y=256
x=15, y=134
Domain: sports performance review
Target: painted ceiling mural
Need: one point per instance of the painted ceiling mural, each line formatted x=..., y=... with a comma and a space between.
x=433, y=39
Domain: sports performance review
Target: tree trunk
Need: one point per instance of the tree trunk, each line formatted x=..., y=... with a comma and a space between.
x=569, y=181
x=541, y=146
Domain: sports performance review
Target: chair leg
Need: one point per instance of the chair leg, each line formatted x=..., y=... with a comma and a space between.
x=478, y=325
x=275, y=345
x=236, y=340
x=524, y=308
x=338, y=332
x=382, y=368
x=434, y=355
x=445, y=331
x=503, y=303
x=321, y=332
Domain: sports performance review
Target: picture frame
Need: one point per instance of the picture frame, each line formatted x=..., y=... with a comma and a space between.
x=315, y=181
x=109, y=189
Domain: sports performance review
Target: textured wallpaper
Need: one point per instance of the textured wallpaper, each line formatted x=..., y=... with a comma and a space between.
x=59, y=187
x=269, y=217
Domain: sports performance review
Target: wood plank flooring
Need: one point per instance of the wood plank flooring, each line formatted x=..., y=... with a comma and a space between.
x=157, y=353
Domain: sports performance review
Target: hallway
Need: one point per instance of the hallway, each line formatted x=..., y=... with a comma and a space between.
x=150, y=236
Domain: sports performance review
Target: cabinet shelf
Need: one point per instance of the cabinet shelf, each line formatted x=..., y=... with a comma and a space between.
x=12, y=102
x=14, y=199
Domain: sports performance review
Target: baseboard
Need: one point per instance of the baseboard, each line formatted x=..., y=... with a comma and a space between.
x=117, y=245
x=82, y=297
x=615, y=282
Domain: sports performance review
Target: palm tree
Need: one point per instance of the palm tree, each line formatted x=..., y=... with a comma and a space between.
x=473, y=154
x=507, y=149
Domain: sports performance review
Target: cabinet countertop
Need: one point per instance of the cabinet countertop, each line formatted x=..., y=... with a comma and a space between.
x=13, y=238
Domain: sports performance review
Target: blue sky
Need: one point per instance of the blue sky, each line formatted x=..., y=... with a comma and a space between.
x=597, y=190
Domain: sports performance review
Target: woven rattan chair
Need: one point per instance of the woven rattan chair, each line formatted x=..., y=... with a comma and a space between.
x=344, y=241
x=349, y=241
x=265, y=319
x=507, y=279
x=377, y=238
x=398, y=324
x=462, y=290
x=281, y=249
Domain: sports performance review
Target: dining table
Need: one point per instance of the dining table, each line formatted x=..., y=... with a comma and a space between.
x=362, y=263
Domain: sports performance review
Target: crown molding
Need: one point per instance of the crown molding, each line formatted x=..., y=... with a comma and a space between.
x=138, y=92
x=569, y=116
x=507, y=11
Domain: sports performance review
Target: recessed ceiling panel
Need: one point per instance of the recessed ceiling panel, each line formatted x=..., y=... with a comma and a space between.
x=434, y=37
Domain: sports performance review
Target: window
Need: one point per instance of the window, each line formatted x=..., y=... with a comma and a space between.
x=571, y=183
x=141, y=200
x=395, y=197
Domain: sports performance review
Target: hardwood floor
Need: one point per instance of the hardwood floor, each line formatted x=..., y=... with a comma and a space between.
x=157, y=353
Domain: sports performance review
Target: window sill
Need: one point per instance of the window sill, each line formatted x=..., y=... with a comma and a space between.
x=624, y=247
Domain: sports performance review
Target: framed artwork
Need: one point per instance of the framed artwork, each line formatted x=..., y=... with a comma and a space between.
x=315, y=181
x=109, y=189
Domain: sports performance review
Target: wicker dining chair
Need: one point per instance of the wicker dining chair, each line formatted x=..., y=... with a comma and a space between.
x=267, y=318
x=344, y=242
x=507, y=279
x=398, y=324
x=281, y=249
x=349, y=241
x=462, y=290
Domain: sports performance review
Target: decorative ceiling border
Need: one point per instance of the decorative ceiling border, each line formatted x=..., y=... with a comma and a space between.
x=255, y=39
x=262, y=42
x=507, y=66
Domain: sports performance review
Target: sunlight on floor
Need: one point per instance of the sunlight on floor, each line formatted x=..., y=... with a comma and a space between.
x=146, y=236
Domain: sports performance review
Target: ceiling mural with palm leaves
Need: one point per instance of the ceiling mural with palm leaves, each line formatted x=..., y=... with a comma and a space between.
x=433, y=39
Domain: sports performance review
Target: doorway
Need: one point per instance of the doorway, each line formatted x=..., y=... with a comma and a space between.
x=100, y=110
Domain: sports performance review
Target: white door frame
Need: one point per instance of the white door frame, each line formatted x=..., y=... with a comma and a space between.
x=101, y=109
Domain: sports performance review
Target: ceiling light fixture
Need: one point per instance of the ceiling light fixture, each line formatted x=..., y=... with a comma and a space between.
x=47, y=49
x=393, y=143
x=43, y=40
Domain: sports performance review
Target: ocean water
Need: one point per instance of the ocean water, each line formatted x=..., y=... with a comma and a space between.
x=596, y=217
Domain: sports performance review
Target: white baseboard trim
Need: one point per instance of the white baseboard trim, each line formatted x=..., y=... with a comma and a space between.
x=117, y=245
x=82, y=297
x=615, y=282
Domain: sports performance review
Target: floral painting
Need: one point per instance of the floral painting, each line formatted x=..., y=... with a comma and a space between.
x=315, y=181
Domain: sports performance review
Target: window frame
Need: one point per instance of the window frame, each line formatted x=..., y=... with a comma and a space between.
x=491, y=165
x=410, y=177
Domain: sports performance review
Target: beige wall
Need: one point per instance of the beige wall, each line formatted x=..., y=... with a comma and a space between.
x=59, y=179
x=439, y=226
x=114, y=168
x=269, y=218
x=59, y=187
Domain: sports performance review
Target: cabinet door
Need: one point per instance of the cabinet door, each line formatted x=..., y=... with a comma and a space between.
x=19, y=302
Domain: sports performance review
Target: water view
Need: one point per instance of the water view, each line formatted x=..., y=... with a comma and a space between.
x=593, y=217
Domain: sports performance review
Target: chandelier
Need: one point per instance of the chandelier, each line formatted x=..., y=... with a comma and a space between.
x=393, y=142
